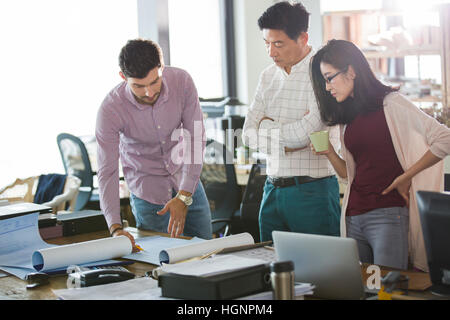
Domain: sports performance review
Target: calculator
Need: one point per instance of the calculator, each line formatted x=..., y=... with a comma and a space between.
x=91, y=276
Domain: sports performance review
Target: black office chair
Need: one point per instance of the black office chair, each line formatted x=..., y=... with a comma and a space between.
x=76, y=162
x=219, y=179
x=251, y=200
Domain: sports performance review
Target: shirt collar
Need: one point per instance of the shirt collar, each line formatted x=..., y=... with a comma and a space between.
x=302, y=63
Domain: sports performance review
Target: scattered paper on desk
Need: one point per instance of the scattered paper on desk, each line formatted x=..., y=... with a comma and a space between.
x=23, y=251
x=300, y=289
x=143, y=288
x=264, y=254
x=216, y=264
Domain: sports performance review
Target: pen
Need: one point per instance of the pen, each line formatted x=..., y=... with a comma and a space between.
x=207, y=255
x=139, y=247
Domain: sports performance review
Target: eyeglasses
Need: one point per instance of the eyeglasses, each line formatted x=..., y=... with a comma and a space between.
x=330, y=78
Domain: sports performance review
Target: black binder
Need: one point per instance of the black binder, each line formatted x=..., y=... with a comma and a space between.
x=223, y=286
x=84, y=221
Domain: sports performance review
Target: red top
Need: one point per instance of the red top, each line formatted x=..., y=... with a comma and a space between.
x=369, y=141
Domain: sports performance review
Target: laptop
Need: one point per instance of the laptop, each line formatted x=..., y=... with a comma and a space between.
x=331, y=264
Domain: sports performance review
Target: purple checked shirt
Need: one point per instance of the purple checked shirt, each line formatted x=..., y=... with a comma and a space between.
x=160, y=148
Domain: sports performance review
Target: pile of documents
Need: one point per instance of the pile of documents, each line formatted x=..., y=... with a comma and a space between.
x=145, y=288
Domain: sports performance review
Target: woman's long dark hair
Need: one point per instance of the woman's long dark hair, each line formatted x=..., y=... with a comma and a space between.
x=368, y=92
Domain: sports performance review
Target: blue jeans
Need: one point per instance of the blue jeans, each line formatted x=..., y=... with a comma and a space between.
x=306, y=208
x=198, y=218
x=382, y=236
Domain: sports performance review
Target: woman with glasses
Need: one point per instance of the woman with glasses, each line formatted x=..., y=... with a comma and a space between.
x=390, y=149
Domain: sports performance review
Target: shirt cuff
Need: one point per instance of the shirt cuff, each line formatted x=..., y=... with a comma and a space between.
x=188, y=184
x=268, y=125
x=112, y=219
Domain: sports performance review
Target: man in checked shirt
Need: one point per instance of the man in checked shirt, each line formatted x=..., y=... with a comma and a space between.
x=301, y=193
x=152, y=121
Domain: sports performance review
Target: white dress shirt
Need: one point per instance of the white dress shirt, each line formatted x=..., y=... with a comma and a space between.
x=289, y=100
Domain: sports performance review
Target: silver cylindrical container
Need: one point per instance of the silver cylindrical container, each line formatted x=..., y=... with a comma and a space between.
x=282, y=278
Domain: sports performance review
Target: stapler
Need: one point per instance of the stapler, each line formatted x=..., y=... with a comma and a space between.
x=37, y=279
x=99, y=276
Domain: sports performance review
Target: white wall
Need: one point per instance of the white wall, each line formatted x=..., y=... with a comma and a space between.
x=447, y=164
x=315, y=22
x=251, y=55
x=147, y=19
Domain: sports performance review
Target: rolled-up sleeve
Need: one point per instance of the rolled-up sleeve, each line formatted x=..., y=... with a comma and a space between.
x=296, y=134
x=192, y=120
x=107, y=135
x=254, y=136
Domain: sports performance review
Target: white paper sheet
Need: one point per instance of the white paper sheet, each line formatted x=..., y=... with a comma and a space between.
x=143, y=288
x=301, y=289
x=219, y=263
x=181, y=253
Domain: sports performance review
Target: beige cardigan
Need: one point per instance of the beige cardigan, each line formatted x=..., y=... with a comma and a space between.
x=413, y=133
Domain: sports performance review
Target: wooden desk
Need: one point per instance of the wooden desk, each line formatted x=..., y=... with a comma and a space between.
x=12, y=287
x=418, y=285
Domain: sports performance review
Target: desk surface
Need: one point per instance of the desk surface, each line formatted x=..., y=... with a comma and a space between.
x=12, y=287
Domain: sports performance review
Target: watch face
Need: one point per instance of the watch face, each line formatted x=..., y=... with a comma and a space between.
x=187, y=200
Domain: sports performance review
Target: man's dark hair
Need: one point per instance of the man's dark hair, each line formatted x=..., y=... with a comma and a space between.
x=293, y=19
x=368, y=91
x=140, y=56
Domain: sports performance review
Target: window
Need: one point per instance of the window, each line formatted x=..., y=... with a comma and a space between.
x=59, y=59
x=196, y=45
x=346, y=5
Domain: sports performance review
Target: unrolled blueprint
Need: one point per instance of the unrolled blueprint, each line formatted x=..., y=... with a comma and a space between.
x=23, y=251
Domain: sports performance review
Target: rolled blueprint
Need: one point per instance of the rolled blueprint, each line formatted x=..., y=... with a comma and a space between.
x=180, y=253
x=79, y=253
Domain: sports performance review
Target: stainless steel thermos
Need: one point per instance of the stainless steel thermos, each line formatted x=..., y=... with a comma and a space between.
x=282, y=278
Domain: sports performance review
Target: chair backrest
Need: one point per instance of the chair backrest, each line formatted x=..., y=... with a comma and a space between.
x=251, y=200
x=68, y=196
x=220, y=182
x=76, y=162
x=23, y=190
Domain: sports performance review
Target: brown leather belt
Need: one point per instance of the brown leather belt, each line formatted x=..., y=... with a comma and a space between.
x=292, y=181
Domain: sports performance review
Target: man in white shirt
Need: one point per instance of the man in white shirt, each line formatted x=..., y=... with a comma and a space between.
x=301, y=193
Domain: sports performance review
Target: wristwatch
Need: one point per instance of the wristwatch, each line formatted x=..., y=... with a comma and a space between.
x=186, y=199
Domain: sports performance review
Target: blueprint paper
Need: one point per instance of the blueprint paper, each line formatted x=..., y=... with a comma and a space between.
x=22, y=250
x=19, y=239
